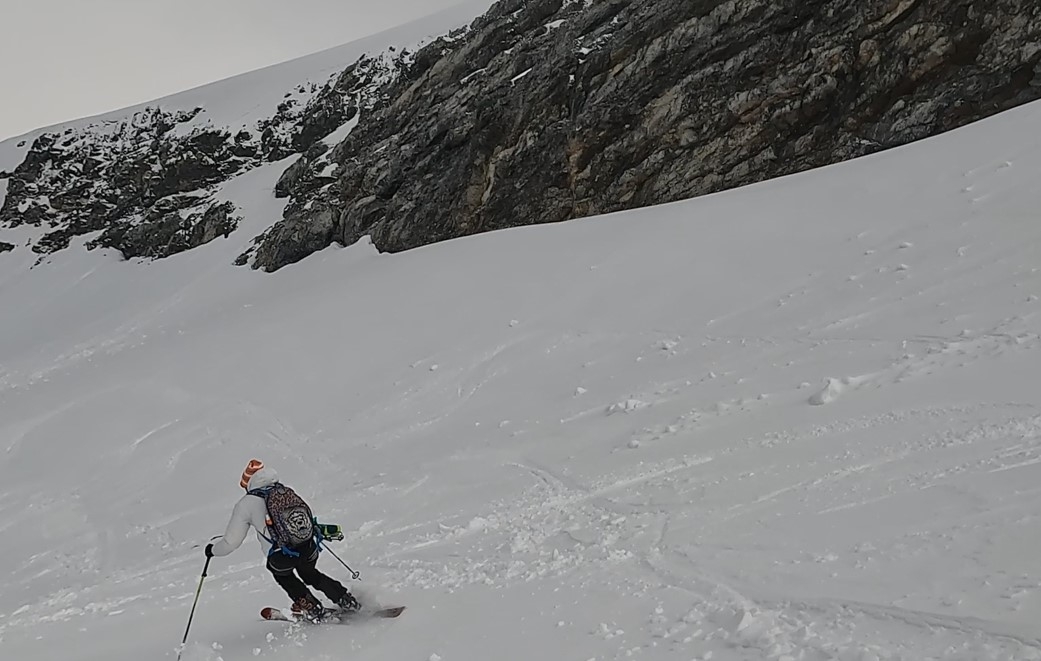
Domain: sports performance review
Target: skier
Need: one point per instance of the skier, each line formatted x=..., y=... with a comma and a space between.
x=286, y=530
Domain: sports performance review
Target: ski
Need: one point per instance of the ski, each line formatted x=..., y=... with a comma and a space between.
x=332, y=615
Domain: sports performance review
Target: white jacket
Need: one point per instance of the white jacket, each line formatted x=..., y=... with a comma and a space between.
x=250, y=511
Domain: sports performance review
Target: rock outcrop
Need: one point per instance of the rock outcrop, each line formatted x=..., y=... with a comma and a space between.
x=118, y=177
x=146, y=183
x=548, y=110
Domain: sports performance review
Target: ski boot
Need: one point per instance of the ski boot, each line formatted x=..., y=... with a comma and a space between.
x=308, y=608
x=348, y=603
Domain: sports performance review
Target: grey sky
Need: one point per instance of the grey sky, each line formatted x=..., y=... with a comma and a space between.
x=65, y=59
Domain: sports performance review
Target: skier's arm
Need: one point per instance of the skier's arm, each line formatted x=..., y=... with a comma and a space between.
x=238, y=528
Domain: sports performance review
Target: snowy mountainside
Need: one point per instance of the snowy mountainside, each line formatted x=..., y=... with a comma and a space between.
x=537, y=111
x=142, y=180
x=796, y=420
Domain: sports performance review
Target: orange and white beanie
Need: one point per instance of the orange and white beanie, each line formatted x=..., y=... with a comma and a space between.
x=252, y=467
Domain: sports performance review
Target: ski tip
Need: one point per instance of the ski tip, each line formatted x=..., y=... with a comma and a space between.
x=268, y=613
x=390, y=612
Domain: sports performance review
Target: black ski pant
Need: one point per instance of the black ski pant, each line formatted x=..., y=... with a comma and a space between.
x=285, y=569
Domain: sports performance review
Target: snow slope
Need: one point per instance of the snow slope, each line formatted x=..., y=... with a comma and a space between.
x=796, y=421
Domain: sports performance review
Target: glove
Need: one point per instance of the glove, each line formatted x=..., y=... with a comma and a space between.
x=209, y=550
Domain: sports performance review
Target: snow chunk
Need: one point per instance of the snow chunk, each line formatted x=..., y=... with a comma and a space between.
x=626, y=406
x=832, y=390
x=478, y=523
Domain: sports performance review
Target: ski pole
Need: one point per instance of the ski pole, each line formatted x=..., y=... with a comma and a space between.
x=355, y=575
x=194, y=604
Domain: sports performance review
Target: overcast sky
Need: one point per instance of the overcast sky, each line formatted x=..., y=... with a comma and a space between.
x=66, y=59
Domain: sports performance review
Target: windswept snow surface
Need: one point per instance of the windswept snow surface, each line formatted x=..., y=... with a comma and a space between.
x=593, y=440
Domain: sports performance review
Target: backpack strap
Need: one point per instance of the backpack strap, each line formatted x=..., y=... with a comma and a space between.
x=264, y=492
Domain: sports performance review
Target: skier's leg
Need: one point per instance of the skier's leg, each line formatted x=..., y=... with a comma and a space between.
x=328, y=585
x=281, y=568
x=325, y=584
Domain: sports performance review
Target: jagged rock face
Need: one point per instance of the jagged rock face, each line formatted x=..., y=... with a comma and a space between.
x=166, y=231
x=548, y=110
x=146, y=184
x=117, y=179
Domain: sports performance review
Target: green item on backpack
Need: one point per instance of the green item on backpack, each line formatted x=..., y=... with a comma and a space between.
x=329, y=531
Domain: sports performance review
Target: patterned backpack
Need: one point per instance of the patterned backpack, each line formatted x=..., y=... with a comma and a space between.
x=288, y=518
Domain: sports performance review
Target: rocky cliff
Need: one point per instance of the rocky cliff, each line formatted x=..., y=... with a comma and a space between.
x=546, y=110
x=551, y=110
x=145, y=184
